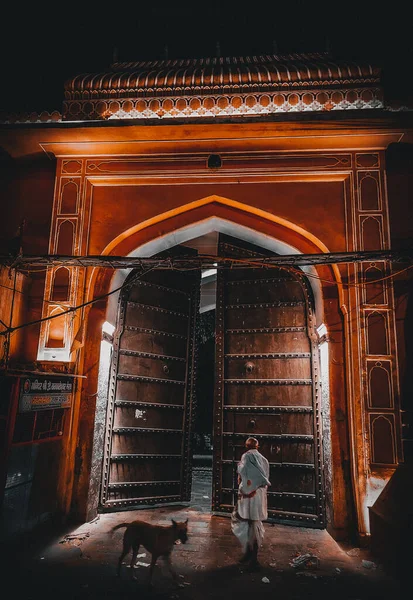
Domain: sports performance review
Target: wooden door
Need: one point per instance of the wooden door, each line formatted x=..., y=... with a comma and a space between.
x=266, y=386
x=148, y=429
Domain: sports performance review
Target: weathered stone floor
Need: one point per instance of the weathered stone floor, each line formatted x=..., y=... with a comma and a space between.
x=81, y=563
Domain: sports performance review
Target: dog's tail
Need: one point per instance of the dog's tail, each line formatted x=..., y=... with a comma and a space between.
x=119, y=526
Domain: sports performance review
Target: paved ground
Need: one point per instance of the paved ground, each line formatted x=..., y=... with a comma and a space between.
x=81, y=563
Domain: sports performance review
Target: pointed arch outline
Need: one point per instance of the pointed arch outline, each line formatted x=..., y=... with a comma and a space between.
x=241, y=207
x=169, y=229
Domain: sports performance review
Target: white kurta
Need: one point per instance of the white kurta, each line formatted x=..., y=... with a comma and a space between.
x=251, y=508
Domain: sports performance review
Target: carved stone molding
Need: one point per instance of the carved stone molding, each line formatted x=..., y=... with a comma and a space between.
x=252, y=104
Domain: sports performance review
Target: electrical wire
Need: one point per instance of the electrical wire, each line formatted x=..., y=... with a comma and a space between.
x=248, y=262
x=71, y=309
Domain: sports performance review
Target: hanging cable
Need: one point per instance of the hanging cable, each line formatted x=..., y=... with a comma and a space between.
x=72, y=309
x=231, y=260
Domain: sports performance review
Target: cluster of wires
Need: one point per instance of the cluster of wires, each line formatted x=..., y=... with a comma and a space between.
x=221, y=262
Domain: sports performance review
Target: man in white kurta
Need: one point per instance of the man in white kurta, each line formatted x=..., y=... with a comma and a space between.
x=251, y=509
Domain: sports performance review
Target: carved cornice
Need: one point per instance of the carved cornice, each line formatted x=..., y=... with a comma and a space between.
x=218, y=87
x=210, y=87
x=223, y=105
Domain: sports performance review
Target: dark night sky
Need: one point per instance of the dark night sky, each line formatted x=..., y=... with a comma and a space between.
x=42, y=46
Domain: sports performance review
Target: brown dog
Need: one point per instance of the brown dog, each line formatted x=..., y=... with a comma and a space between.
x=159, y=540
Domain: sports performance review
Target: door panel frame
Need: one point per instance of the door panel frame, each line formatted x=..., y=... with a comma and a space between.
x=187, y=408
x=317, y=520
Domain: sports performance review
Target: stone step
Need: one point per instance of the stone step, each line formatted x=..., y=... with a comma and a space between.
x=202, y=461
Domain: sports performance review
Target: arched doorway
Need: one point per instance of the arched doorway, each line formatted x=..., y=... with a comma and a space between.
x=265, y=384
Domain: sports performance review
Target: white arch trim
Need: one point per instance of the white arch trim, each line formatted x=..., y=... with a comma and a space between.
x=210, y=225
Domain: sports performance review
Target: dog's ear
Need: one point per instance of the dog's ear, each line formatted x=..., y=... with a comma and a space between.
x=173, y=522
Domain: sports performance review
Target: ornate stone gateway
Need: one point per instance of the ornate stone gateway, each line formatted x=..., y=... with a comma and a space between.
x=267, y=386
